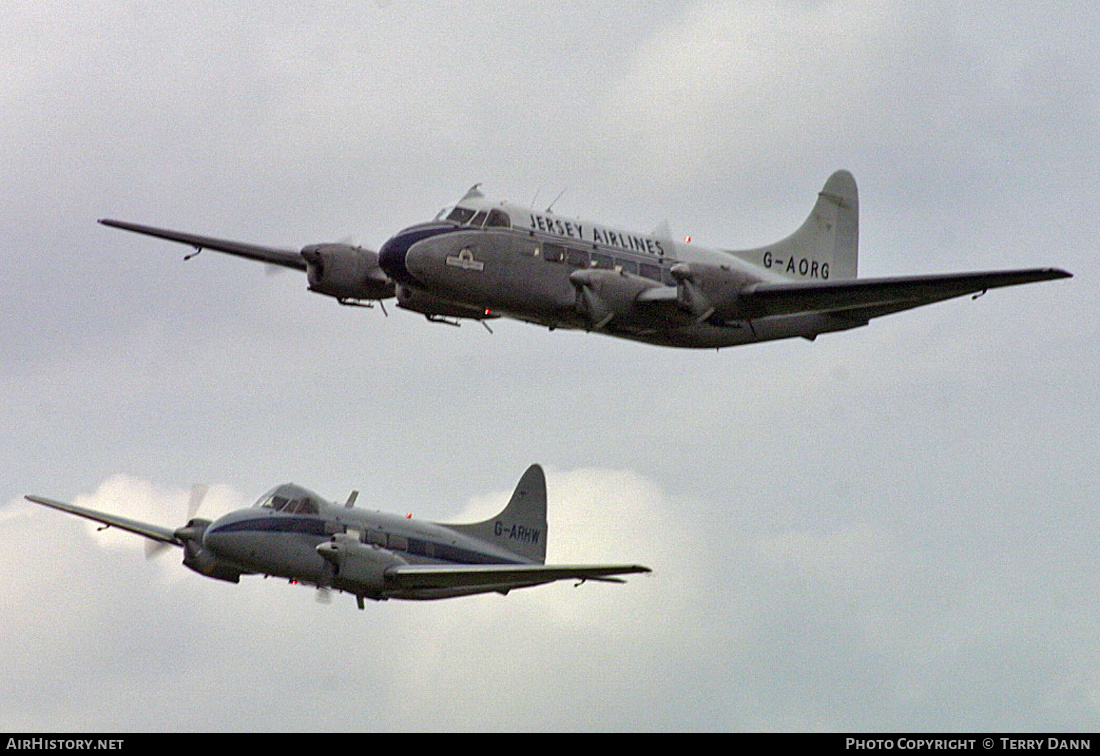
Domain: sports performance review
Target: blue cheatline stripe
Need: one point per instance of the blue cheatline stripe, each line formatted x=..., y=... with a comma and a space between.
x=313, y=526
x=391, y=256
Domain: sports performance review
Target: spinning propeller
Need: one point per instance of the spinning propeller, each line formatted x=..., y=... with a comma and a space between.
x=188, y=531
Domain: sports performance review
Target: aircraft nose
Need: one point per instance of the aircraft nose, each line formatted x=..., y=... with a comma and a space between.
x=392, y=255
x=215, y=536
x=228, y=534
x=391, y=259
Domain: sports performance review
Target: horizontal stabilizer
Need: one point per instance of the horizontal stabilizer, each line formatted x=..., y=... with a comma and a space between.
x=285, y=257
x=499, y=576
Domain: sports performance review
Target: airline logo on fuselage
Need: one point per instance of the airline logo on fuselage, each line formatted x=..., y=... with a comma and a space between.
x=465, y=260
x=595, y=235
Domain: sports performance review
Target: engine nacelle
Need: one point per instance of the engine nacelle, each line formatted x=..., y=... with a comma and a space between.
x=359, y=567
x=200, y=559
x=709, y=290
x=604, y=294
x=416, y=300
x=346, y=272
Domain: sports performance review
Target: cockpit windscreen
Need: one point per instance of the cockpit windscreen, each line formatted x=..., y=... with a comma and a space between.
x=466, y=216
x=290, y=499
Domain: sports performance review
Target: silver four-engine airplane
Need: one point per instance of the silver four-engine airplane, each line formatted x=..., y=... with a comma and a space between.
x=482, y=259
x=293, y=533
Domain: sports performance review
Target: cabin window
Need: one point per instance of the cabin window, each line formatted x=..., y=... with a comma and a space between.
x=479, y=218
x=602, y=261
x=460, y=215
x=650, y=271
x=553, y=252
x=578, y=258
x=627, y=266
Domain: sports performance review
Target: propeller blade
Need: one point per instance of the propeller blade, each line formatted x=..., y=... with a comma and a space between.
x=198, y=493
x=154, y=548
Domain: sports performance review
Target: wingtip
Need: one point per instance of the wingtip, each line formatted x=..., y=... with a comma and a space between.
x=1053, y=274
x=44, y=501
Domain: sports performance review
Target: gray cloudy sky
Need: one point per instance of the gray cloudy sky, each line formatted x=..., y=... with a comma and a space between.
x=893, y=527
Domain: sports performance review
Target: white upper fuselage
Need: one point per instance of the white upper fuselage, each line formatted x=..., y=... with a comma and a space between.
x=626, y=247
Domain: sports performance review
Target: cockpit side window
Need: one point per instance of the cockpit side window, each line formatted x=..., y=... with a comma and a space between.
x=499, y=219
x=460, y=215
x=301, y=506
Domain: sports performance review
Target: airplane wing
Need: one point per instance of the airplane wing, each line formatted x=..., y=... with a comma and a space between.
x=865, y=298
x=285, y=257
x=500, y=577
x=152, y=532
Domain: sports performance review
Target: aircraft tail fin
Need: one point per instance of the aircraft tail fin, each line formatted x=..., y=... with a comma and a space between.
x=521, y=526
x=826, y=246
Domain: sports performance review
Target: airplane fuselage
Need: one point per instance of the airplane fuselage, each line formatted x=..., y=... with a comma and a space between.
x=306, y=539
x=489, y=260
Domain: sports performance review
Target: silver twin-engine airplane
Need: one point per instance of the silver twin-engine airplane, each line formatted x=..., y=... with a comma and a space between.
x=483, y=259
x=293, y=533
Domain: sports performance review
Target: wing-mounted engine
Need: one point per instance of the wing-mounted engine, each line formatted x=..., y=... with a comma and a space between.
x=199, y=558
x=346, y=272
x=709, y=291
x=603, y=294
x=358, y=568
